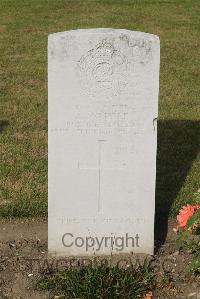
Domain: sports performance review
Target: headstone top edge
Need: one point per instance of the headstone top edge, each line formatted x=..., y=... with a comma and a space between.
x=136, y=34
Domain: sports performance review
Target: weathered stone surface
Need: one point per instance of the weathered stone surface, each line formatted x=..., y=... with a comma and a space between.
x=103, y=101
x=192, y=296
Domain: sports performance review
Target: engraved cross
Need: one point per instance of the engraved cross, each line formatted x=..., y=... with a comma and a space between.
x=99, y=168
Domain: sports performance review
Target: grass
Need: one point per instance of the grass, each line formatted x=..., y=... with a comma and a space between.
x=101, y=281
x=24, y=27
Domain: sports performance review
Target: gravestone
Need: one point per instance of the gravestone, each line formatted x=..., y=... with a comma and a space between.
x=103, y=104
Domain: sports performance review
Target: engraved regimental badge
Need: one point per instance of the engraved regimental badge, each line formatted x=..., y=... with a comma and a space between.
x=103, y=69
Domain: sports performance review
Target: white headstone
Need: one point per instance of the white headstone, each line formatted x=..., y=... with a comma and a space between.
x=103, y=105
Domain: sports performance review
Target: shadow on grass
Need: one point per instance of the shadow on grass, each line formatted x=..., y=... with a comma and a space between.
x=178, y=146
x=3, y=124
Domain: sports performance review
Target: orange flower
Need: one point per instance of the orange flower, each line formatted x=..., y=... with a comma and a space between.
x=185, y=213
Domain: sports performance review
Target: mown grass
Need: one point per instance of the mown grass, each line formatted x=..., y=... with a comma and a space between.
x=24, y=27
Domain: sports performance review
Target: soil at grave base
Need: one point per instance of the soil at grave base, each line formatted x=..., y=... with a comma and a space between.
x=23, y=241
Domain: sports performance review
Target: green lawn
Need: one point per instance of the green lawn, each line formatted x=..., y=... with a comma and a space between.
x=24, y=27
